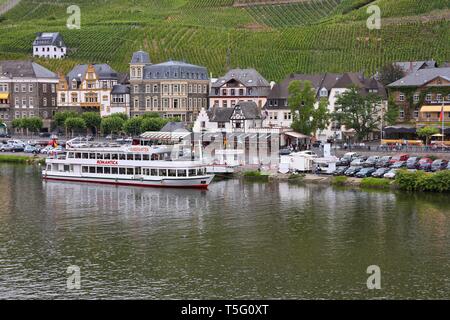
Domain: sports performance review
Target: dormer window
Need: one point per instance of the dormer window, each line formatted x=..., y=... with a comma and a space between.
x=324, y=92
x=74, y=84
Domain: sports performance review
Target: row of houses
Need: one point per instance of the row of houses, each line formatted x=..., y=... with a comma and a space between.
x=242, y=99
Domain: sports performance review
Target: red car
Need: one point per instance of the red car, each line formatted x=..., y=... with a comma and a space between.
x=400, y=157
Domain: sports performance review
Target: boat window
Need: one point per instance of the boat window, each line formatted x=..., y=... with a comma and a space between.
x=199, y=172
x=137, y=157
x=107, y=156
x=99, y=155
x=163, y=172
x=85, y=169
x=137, y=171
x=91, y=155
x=99, y=169
x=114, y=156
x=121, y=170
x=130, y=156
x=106, y=170
x=172, y=173
x=145, y=157
x=122, y=156
x=85, y=156
x=91, y=169
x=154, y=172
x=66, y=167
x=49, y=168
x=181, y=173
x=192, y=172
x=70, y=155
x=78, y=155
x=130, y=171
x=114, y=170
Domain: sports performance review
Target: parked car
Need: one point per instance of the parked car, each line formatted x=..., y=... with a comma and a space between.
x=391, y=174
x=359, y=162
x=399, y=157
x=56, y=151
x=380, y=172
x=46, y=150
x=340, y=171
x=438, y=165
x=412, y=162
x=6, y=147
x=448, y=166
x=31, y=149
x=45, y=134
x=317, y=144
x=425, y=164
x=350, y=172
x=371, y=161
x=347, y=158
x=17, y=142
x=383, y=162
x=284, y=152
x=398, y=165
x=365, y=172
x=5, y=135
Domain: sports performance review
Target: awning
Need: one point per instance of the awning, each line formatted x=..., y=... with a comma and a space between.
x=434, y=109
x=297, y=135
x=4, y=95
x=164, y=136
x=399, y=129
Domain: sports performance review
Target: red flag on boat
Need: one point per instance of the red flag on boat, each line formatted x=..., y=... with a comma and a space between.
x=441, y=116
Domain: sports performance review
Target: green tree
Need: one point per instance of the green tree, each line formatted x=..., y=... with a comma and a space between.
x=17, y=124
x=306, y=118
x=427, y=132
x=93, y=121
x=358, y=112
x=153, y=124
x=112, y=124
x=391, y=73
x=74, y=124
x=121, y=115
x=392, y=112
x=133, y=125
x=60, y=118
x=33, y=124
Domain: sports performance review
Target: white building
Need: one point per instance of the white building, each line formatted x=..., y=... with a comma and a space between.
x=49, y=45
x=241, y=118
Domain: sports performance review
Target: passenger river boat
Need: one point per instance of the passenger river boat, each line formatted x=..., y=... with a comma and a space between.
x=146, y=166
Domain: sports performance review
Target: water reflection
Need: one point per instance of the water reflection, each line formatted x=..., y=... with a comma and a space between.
x=236, y=240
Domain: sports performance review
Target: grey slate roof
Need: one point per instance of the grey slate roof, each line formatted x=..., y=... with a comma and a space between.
x=120, y=89
x=175, y=70
x=248, y=77
x=318, y=81
x=219, y=114
x=249, y=109
x=413, y=66
x=104, y=72
x=26, y=69
x=174, y=127
x=140, y=57
x=49, y=39
x=364, y=84
x=421, y=77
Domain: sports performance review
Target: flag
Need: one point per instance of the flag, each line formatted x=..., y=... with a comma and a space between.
x=441, y=116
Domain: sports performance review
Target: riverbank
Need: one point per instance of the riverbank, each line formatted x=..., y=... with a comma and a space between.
x=21, y=159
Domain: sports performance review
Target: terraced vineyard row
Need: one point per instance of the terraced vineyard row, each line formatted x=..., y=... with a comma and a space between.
x=296, y=14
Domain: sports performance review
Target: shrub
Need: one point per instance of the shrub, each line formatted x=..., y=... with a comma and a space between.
x=339, y=181
x=421, y=181
x=375, y=183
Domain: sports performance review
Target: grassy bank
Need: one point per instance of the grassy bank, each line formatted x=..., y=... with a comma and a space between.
x=255, y=175
x=21, y=159
x=423, y=181
x=376, y=183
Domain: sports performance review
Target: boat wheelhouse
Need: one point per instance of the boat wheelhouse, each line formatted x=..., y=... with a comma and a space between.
x=129, y=165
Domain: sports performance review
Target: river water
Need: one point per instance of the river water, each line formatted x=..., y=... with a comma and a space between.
x=236, y=240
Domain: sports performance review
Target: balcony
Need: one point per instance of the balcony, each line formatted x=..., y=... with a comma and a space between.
x=90, y=105
x=4, y=106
